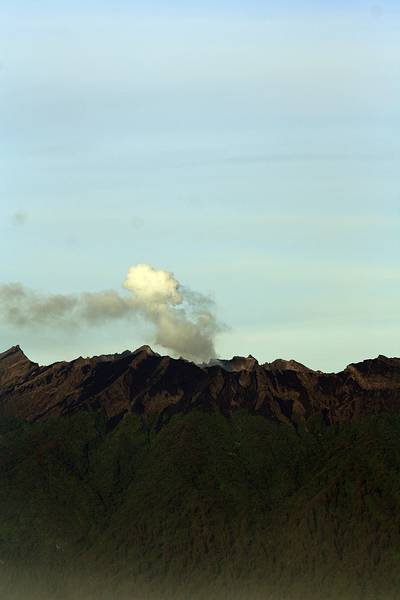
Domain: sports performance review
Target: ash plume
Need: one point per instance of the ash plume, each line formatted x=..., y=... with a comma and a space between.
x=184, y=320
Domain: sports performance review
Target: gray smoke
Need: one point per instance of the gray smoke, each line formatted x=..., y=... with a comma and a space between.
x=184, y=321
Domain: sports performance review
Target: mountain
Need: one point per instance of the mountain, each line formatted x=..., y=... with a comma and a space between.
x=143, y=382
x=14, y=365
x=136, y=476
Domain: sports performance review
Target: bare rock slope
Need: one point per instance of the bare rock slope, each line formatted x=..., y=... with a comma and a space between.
x=143, y=382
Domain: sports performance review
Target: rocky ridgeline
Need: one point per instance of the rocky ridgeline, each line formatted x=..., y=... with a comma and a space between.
x=157, y=387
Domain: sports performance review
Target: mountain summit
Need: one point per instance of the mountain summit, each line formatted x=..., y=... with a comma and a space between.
x=143, y=382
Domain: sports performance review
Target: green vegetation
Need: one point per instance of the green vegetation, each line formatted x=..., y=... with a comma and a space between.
x=207, y=507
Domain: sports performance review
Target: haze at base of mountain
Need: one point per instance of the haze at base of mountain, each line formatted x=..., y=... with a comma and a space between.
x=206, y=506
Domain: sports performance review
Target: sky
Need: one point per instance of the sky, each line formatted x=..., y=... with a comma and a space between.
x=250, y=148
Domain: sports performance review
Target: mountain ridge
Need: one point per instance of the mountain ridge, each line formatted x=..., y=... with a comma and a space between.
x=147, y=383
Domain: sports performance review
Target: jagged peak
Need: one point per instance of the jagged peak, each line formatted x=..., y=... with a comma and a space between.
x=281, y=364
x=108, y=357
x=14, y=365
x=145, y=349
x=236, y=363
x=371, y=365
x=15, y=352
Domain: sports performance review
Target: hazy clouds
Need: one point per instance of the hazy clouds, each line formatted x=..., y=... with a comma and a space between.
x=19, y=218
x=184, y=321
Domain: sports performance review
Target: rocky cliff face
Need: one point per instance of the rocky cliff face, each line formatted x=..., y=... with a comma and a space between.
x=14, y=365
x=143, y=382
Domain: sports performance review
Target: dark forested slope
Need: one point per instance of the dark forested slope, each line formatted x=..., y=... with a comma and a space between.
x=139, y=476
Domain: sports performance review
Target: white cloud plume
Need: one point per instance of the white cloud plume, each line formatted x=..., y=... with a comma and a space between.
x=184, y=321
x=152, y=286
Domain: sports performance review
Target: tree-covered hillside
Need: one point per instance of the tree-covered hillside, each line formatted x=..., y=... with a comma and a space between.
x=207, y=506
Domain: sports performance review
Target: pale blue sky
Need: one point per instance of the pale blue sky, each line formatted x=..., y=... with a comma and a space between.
x=251, y=150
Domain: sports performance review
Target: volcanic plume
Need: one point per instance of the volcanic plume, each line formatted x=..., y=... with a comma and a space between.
x=184, y=321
